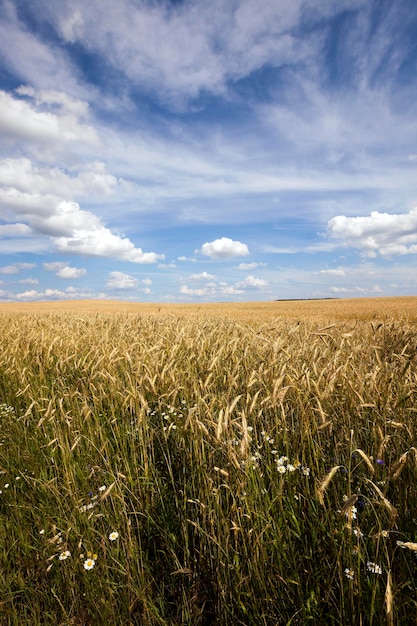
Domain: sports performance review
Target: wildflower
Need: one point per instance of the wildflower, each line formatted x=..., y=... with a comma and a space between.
x=380, y=462
x=6, y=486
x=400, y=544
x=357, y=532
x=351, y=512
x=87, y=507
x=42, y=532
x=290, y=467
x=306, y=471
x=89, y=563
x=64, y=555
x=102, y=488
x=282, y=469
x=349, y=573
x=114, y=535
x=373, y=567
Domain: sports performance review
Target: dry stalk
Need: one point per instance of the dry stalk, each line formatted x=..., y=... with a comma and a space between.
x=322, y=488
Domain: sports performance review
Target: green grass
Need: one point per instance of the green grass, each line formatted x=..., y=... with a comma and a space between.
x=175, y=433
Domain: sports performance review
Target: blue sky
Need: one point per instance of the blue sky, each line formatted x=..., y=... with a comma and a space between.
x=188, y=151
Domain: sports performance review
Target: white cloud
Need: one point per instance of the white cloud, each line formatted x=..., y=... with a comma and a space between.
x=186, y=291
x=55, y=294
x=20, y=120
x=386, y=234
x=54, y=266
x=30, y=58
x=179, y=50
x=71, y=272
x=250, y=282
x=28, y=295
x=333, y=272
x=211, y=290
x=14, y=230
x=29, y=281
x=224, y=248
x=15, y=268
x=249, y=266
x=25, y=266
x=119, y=280
x=21, y=174
x=220, y=289
x=375, y=289
x=9, y=269
x=202, y=276
x=167, y=265
x=72, y=229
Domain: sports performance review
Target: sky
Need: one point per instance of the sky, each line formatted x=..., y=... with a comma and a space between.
x=194, y=151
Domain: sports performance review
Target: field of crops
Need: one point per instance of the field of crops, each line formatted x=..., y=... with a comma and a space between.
x=217, y=464
x=404, y=308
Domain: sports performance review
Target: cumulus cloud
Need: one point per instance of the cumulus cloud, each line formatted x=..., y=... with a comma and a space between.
x=56, y=294
x=386, y=234
x=9, y=269
x=29, y=281
x=23, y=119
x=71, y=272
x=224, y=248
x=120, y=280
x=213, y=289
x=15, y=268
x=202, y=276
x=73, y=230
x=185, y=258
x=250, y=282
x=63, y=270
x=249, y=266
x=21, y=174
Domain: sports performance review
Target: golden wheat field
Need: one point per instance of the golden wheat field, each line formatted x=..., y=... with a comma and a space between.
x=337, y=309
x=215, y=464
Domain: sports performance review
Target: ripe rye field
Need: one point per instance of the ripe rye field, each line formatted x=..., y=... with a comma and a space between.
x=226, y=464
